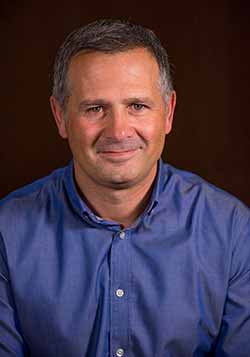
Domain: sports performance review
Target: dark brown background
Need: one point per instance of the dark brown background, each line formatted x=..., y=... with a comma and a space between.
x=209, y=45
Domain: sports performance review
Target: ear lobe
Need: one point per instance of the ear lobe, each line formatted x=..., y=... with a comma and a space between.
x=59, y=117
x=170, y=112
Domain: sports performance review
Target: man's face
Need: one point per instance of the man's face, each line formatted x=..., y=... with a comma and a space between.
x=116, y=119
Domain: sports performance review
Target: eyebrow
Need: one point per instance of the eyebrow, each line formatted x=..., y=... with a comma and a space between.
x=138, y=99
x=88, y=102
x=99, y=101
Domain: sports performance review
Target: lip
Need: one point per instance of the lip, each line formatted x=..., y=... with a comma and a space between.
x=118, y=156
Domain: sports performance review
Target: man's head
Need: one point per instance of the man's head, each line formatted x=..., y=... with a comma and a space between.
x=113, y=100
x=108, y=36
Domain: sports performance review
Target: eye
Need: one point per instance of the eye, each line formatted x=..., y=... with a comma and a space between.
x=95, y=109
x=138, y=106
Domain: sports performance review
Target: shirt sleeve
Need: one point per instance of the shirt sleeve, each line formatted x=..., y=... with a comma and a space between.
x=234, y=338
x=11, y=341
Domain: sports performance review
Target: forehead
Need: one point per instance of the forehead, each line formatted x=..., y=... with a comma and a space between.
x=127, y=67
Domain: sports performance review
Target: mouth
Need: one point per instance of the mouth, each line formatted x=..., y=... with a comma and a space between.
x=118, y=156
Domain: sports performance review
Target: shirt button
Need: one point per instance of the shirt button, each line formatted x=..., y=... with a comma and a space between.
x=120, y=352
x=119, y=293
x=122, y=234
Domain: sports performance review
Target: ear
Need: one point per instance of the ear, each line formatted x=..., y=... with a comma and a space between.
x=170, y=112
x=59, y=117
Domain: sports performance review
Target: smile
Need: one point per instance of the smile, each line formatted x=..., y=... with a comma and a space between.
x=118, y=156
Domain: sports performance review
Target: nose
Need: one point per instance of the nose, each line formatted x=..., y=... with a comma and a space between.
x=118, y=126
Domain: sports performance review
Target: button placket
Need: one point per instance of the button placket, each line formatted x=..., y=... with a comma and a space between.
x=120, y=275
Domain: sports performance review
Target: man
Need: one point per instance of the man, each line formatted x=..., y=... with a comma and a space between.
x=119, y=254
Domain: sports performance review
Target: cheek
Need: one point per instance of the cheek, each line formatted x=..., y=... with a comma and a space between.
x=80, y=133
x=153, y=131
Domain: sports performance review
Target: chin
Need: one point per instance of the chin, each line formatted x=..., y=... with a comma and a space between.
x=120, y=182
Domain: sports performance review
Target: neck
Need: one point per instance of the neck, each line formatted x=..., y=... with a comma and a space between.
x=119, y=205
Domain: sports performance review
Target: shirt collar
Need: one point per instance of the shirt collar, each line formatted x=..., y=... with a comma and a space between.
x=75, y=199
x=157, y=185
x=81, y=207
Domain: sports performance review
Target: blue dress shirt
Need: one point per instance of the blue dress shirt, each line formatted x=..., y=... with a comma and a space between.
x=174, y=284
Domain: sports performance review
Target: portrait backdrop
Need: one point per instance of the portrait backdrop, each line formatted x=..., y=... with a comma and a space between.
x=208, y=45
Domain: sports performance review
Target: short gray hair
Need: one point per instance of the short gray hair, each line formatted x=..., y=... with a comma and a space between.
x=108, y=36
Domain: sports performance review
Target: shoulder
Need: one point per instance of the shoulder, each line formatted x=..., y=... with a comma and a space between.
x=191, y=191
x=32, y=197
x=218, y=222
